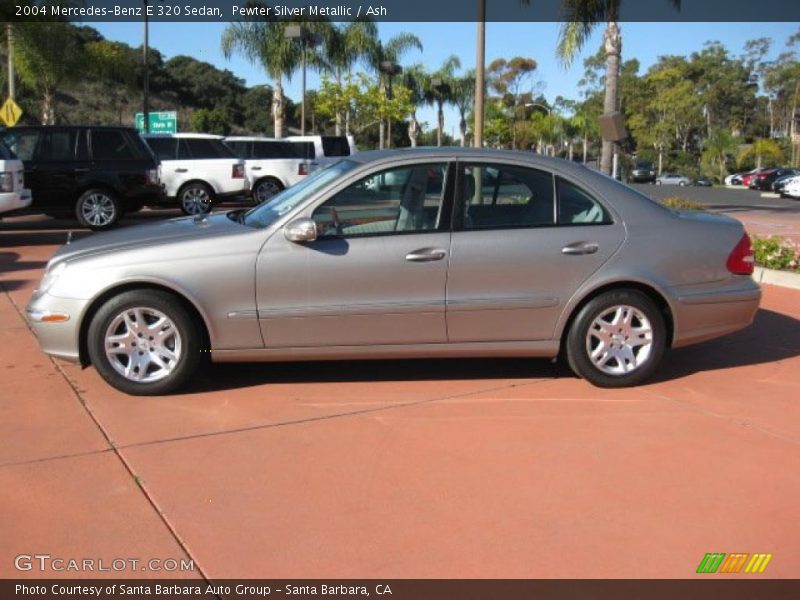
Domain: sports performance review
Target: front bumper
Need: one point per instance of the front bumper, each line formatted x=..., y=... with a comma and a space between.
x=56, y=323
x=15, y=200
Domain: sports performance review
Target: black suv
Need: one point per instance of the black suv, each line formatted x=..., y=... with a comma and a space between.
x=94, y=173
x=643, y=172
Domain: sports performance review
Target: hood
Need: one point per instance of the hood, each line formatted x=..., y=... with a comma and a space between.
x=163, y=232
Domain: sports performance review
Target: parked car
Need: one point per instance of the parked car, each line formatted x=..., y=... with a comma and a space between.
x=322, y=150
x=643, y=172
x=271, y=165
x=765, y=179
x=516, y=254
x=792, y=189
x=747, y=178
x=93, y=173
x=781, y=182
x=197, y=170
x=13, y=193
x=673, y=179
x=734, y=179
x=703, y=182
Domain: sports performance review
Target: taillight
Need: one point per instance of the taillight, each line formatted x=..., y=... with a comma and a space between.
x=741, y=260
x=302, y=169
x=151, y=176
x=237, y=172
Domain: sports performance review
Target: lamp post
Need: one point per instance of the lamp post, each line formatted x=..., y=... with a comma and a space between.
x=146, y=73
x=391, y=70
x=304, y=37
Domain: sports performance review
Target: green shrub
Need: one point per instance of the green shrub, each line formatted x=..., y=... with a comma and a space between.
x=777, y=253
x=678, y=203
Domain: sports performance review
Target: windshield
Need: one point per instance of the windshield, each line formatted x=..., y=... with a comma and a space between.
x=266, y=213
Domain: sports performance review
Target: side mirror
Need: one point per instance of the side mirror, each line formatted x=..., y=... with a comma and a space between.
x=301, y=230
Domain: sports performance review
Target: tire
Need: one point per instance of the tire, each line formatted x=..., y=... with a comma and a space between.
x=98, y=209
x=138, y=364
x=657, y=182
x=196, y=198
x=265, y=189
x=595, y=321
x=682, y=183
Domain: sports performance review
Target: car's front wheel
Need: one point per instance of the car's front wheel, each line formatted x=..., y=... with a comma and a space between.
x=98, y=209
x=196, y=199
x=145, y=343
x=617, y=339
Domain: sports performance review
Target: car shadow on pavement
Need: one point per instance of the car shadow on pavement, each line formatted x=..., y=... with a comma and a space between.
x=38, y=237
x=227, y=376
x=9, y=261
x=10, y=285
x=772, y=337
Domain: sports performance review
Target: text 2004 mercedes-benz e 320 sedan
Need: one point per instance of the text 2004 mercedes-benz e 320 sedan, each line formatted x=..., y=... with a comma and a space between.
x=420, y=253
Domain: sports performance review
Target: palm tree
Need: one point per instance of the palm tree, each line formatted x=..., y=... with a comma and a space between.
x=440, y=90
x=265, y=42
x=463, y=96
x=719, y=146
x=416, y=80
x=580, y=17
x=390, y=52
x=345, y=46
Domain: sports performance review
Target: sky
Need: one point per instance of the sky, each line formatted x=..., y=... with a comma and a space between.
x=643, y=41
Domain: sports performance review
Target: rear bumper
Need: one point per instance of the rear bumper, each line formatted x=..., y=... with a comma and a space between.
x=706, y=315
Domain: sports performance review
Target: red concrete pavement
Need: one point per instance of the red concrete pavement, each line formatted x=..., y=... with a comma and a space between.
x=479, y=468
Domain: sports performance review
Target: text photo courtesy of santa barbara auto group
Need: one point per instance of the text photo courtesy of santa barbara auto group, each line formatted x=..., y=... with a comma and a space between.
x=464, y=299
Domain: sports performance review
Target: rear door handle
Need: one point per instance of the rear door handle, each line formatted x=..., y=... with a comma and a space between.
x=426, y=255
x=181, y=170
x=255, y=168
x=577, y=248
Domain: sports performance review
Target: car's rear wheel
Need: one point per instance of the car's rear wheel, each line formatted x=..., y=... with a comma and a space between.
x=266, y=189
x=617, y=339
x=196, y=198
x=98, y=209
x=144, y=342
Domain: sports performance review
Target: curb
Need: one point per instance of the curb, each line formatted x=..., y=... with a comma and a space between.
x=779, y=278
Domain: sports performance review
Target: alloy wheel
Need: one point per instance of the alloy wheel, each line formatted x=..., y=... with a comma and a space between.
x=98, y=209
x=619, y=340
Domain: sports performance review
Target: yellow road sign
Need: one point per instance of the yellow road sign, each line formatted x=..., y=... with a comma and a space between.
x=10, y=113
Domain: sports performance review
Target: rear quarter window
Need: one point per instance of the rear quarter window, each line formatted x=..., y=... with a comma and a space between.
x=576, y=206
x=335, y=146
x=21, y=142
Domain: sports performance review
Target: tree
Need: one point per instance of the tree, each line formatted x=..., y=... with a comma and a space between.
x=415, y=79
x=762, y=151
x=389, y=52
x=47, y=56
x=463, y=97
x=346, y=45
x=581, y=16
x=440, y=90
x=719, y=149
x=508, y=78
x=265, y=43
x=214, y=120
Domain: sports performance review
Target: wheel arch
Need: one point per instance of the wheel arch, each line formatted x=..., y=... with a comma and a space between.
x=655, y=295
x=108, y=293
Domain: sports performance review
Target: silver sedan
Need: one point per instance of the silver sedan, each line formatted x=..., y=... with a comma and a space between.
x=398, y=254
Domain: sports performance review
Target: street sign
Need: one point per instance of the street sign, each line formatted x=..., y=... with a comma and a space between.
x=160, y=122
x=10, y=113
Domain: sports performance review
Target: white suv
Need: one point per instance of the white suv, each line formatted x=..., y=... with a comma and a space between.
x=197, y=169
x=13, y=193
x=272, y=165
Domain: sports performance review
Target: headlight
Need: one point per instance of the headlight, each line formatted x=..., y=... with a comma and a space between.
x=6, y=182
x=51, y=276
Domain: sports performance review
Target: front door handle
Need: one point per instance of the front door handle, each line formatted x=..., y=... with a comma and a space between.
x=577, y=248
x=181, y=170
x=255, y=168
x=426, y=255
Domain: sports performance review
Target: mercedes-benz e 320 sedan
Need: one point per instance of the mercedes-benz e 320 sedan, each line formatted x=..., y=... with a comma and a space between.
x=420, y=253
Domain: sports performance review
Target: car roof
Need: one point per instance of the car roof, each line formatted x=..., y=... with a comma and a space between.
x=465, y=154
x=196, y=136
x=252, y=138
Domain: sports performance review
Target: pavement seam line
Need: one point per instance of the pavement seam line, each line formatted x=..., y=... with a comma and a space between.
x=127, y=466
x=354, y=413
x=34, y=461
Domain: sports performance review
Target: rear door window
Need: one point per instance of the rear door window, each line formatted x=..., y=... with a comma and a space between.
x=304, y=150
x=269, y=150
x=111, y=145
x=241, y=149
